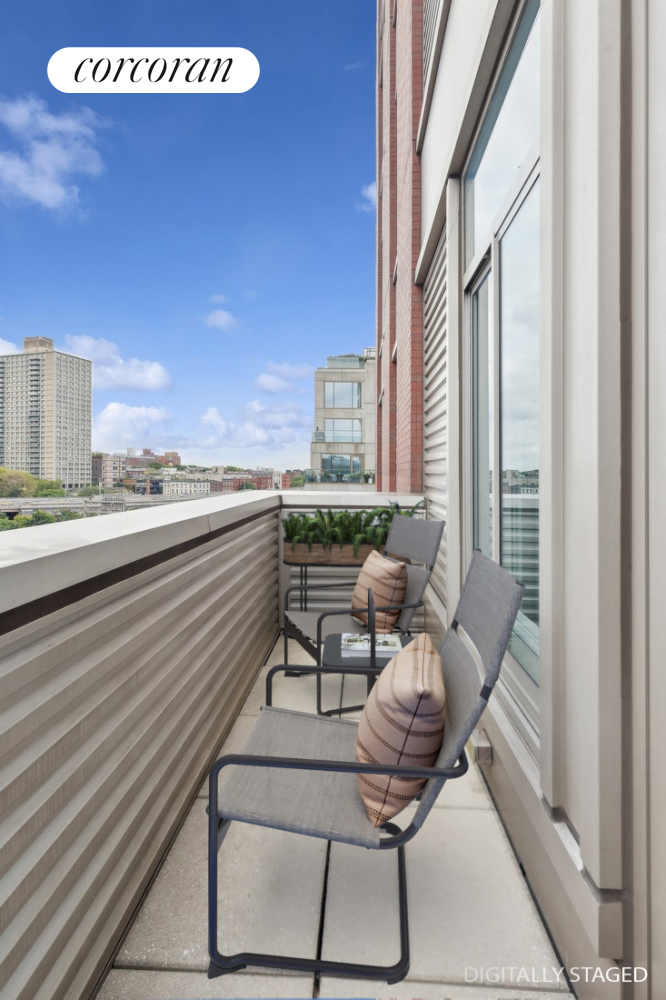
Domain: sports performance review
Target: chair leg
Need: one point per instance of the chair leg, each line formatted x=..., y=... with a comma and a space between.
x=221, y=965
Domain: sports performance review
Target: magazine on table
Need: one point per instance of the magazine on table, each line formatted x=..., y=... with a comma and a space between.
x=353, y=644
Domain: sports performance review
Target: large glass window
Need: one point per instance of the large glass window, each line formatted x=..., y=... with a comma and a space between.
x=509, y=132
x=342, y=394
x=502, y=286
x=341, y=463
x=519, y=420
x=343, y=430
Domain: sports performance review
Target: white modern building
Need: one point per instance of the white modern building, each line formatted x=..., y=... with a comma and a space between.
x=45, y=413
x=343, y=440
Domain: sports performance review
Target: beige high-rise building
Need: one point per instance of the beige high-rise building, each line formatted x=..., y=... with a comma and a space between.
x=45, y=413
x=343, y=440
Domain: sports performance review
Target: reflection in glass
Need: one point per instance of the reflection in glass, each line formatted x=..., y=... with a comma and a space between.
x=482, y=360
x=343, y=430
x=341, y=463
x=509, y=131
x=519, y=422
x=342, y=394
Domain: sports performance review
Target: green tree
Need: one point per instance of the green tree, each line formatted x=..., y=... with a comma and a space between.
x=155, y=465
x=16, y=484
x=43, y=517
x=247, y=486
x=49, y=488
x=233, y=468
x=90, y=491
x=6, y=524
x=297, y=481
x=22, y=521
x=65, y=514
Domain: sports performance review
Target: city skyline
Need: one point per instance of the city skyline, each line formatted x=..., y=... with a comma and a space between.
x=172, y=239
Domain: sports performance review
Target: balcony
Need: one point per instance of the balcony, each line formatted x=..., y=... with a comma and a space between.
x=329, y=479
x=135, y=648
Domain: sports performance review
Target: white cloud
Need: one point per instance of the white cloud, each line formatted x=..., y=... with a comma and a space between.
x=51, y=149
x=350, y=67
x=280, y=426
x=111, y=371
x=369, y=195
x=119, y=426
x=220, y=319
x=212, y=418
x=282, y=377
x=217, y=298
x=272, y=383
x=6, y=347
x=290, y=371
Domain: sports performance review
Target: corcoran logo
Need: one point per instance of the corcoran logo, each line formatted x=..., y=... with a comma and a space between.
x=153, y=70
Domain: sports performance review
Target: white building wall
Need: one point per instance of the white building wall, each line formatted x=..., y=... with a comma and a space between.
x=562, y=793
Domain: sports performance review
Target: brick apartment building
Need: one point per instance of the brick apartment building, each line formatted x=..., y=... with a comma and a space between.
x=399, y=301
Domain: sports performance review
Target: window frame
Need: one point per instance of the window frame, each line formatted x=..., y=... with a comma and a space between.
x=342, y=406
x=352, y=431
x=517, y=692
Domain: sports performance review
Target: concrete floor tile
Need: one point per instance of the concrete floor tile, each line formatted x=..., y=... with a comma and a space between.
x=297, y=693
x=297, y=656
x=140, y=984
x=468, y=792
x=409, y=990
x=271, y=886
x=468, y=902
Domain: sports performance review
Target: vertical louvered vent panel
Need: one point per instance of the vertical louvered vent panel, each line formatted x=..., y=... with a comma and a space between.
x=435, y=419
x=431, y=10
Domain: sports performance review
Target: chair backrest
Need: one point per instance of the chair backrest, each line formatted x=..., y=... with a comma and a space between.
x=414, y=538
x=417, y=581
x=486, y=611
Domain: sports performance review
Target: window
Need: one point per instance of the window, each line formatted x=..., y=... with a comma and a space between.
x=501, y=206
x=345, y=464
x=509, y=131
x=339, y=394
x=343, y=430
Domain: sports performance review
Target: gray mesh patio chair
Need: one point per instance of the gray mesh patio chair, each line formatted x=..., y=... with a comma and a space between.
x=297, y=771
x=409, y=538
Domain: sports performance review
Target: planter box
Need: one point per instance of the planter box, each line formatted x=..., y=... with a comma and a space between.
x=319, y=556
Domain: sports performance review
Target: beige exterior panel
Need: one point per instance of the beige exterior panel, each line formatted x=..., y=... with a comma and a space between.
x=112, y=709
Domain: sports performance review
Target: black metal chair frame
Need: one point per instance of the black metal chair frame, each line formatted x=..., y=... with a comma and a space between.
x=290, y=631
x=218, y=827
x=372, y=671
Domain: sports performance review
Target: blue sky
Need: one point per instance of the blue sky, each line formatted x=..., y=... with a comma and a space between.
x=207, y=252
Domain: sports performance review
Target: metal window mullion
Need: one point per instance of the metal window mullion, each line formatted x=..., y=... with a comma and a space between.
x=494, y=333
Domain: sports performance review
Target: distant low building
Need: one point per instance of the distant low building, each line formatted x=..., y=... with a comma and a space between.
x=186, y=487
x=107, y=470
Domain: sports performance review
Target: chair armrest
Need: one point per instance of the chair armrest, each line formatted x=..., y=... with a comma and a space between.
x=346, y=611
x=346, y=767
x=360, y=671
x=311, y=586
x=339, y=766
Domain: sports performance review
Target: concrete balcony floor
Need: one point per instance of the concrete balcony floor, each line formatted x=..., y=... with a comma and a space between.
x=469, y=905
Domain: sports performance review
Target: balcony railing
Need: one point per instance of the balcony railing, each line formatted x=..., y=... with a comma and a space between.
x=128, y=644
x=367, y=476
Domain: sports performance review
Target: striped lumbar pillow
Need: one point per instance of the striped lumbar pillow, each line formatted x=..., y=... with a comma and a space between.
x=388, y=581
x=402, y=723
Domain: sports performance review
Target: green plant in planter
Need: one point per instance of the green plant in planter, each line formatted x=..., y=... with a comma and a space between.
x=335, y=528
